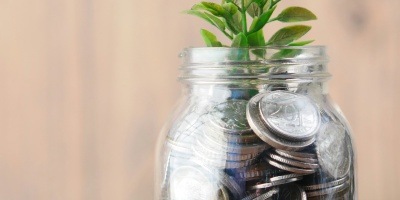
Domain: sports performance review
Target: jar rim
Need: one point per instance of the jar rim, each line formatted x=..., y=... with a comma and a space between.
x=193, y=56
x=268, y=62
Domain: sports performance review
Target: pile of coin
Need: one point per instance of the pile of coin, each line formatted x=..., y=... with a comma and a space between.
x=278, y=145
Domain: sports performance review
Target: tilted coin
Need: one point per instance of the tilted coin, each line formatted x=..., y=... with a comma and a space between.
x=261, y=129
x=285, y=177
x=290, y=115
x=266, y=195
x=289, y=156
x=289, y=168
x=298, y=154
x=256, y=171
x=231, y=185
x=192, y=183
x=278, y=180
x=293, y=162
x=291, y=192
x=230, y=116
x=223, y=194
x=328, y=191
x=333, y=150
x=326, y=184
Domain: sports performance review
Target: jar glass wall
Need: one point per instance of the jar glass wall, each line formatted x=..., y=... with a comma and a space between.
x=255, y=123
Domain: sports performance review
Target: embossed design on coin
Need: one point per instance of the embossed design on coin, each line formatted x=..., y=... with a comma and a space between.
x=230, y=116
x=333, y=150
x=290, y=115
x=261, y=129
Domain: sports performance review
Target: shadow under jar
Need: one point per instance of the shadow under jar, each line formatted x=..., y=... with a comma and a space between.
x=255, y=123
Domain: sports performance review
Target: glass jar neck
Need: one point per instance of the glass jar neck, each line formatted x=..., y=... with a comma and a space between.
x=266, y=68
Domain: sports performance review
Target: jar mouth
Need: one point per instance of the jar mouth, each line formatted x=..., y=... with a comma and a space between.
x=271, y=62
x=267, y=54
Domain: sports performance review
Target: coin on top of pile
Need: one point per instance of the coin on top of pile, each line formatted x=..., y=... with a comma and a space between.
x=284, y=120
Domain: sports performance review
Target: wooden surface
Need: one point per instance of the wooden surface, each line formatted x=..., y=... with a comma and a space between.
x=86, y=86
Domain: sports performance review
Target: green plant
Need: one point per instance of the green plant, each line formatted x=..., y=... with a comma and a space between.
x=231, y=18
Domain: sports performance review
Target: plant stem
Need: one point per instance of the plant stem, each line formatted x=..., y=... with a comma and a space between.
x=227, y=35
x=244, y=20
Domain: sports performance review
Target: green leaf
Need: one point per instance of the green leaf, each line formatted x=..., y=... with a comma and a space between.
x=296, y=14
x=237, y=20
x=266, y=5
x=287, y=53
x=200, y=6
x=207, y=17
x=218, y=9
x=240, y=40
x=253, y=10
x=262, y=20
x=218, y=23
x=301, y=43
x=230, y=7
x=199, y=14
x=256, y=39
x=210, y=39
x=288, y=34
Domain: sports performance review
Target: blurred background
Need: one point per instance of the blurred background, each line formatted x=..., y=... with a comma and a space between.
x=86, y=86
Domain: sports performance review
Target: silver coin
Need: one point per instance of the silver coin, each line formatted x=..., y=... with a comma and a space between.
x=261, y=129
x=293, y=162
x=326, y=185
x=223, y=194
x=289, y=156
x=231, y=185
x=244, y=138
x=291, y=192
x=279, y=180
x=266, y=195
x=222, y=146
x=328, y=191
x=222, y=164
x=333, y=150
x=290, y=115
x=285, y=177
x=181, y=147
x=298, y=154
x=256, y=171
x=230, y=116
x=191, y=183
x=290, y=168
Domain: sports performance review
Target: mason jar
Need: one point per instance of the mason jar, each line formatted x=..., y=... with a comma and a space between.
x=255, y=123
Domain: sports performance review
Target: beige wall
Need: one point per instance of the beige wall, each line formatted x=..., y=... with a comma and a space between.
x=87, y=84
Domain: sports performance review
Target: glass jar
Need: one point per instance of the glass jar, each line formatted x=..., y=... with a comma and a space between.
x=255, y=123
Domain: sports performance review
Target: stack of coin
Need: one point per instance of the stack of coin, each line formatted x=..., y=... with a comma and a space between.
x=227, y=141
x=319, y=188
x=299, y=163
x=277, y=146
